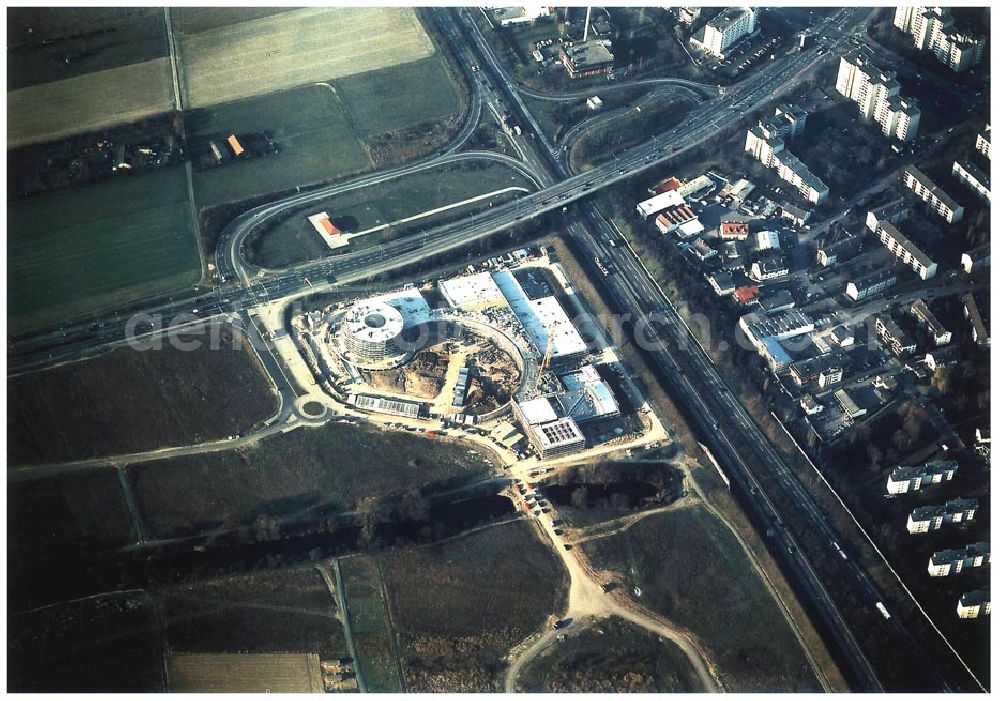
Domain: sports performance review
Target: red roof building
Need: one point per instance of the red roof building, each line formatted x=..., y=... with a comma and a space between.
x=330, y=228
x=235, y=145
x=734, y=230
x=746, y=294
x=666, y=186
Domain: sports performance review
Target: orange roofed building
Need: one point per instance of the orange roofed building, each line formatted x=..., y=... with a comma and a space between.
x=746, y=293
x=235, y=145
x=734, y=230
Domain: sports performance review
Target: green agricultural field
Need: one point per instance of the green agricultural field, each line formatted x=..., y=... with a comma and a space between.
x=278, y=610
x=693, y=571
x=294, y=240
x=293, y=475
x=371, y=629
x=174, y=397
x=612, y=656
x=50, y=111
x=80, y=40
x=293, y=48
x=76, y=253
x=460, y=605
x=192, y=19
x=316, y=139
x=400, y=96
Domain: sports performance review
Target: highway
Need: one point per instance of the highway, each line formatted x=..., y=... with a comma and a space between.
x=700, y=125
x=714, y=410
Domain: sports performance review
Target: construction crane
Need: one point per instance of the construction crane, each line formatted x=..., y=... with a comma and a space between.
x=547, y=357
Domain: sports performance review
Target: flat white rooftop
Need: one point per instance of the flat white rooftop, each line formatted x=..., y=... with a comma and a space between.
x=541, y=318
x=670, y=198
x=472, y=292
x=537, y=411
x=410, y=303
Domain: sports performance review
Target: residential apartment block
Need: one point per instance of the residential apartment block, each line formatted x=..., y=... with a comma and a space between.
x=948, y=562
x=972, y=176
x=876, y=92
x=930, y=518
x=938, y=332
x=870, y=285
x=983, y=141
x=975, y=259
x=907, y=478
x=893, y=336
x=933, y=29
x=904, y=249
x=974, y=604
x=766, y=143
x=938, y=200
x=837, y=251
x=980, y=334
x=725, y=29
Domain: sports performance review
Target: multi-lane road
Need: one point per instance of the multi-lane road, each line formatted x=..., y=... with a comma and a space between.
x=713, y=408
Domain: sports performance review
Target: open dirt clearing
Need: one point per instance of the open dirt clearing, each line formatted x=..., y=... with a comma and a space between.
x=292, y=48
x=289, y=673
x=87, y=102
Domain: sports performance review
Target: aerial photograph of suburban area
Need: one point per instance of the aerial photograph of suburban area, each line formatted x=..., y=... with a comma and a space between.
x=498, y=349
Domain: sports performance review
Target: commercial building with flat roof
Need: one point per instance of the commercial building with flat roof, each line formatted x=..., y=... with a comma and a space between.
x=550, y=435
x=472, y=292
x=544, y=320
x=585, y=58
x=657, y=203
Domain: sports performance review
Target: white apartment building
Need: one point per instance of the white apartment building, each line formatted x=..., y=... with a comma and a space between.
x=974, y=604
x=876, y=92
x=938, y=200
x=725, y=29
x=935, y=328
x=930, y=518
x=948, y=562
x=904, y=249
x=912, y=478
x=974, y=178
x=933, y=29
x=870, y=285
x=983, y=141
x=765, y=142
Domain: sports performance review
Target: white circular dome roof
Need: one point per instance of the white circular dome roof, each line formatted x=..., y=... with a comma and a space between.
x=373, y=322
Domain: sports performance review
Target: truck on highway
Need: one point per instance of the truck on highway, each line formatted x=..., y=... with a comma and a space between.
x=883, y=610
